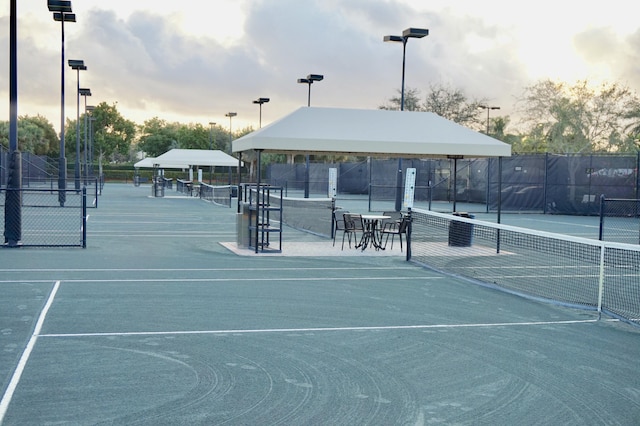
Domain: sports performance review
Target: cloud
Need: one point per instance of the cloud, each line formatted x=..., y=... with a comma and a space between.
x=613, y=53
x=150, y=65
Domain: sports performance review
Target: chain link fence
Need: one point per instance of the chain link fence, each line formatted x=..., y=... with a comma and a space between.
x=38, y=217
x=620, y=220
x=535, y=183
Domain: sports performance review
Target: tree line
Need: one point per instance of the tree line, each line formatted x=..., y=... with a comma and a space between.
x=553, y=117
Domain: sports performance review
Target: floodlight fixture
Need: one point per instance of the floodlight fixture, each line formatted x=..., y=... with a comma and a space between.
x=63, y=6
x=64, y=17
x=415, y=33
x=77, y=64
x=392, y=38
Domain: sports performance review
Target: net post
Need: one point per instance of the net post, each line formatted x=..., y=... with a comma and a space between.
x=601, y=280
x=333, y=217
x=408, y=235
x=499, y=217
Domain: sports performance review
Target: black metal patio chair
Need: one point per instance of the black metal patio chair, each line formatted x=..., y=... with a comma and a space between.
x=395, y=228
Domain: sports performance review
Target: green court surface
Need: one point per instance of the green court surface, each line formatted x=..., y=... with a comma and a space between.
x=158, y=322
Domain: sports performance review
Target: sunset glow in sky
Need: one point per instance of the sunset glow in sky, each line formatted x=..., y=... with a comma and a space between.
x=192, y=61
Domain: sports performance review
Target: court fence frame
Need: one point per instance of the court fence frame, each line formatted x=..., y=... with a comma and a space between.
x=619, y=220
x=41, y=219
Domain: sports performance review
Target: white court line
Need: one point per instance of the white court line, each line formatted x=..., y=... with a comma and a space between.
x=194, y=236
x=6, y=398
x=196, y=280
x=578, y=225
x=308, y=330
x=324, y=268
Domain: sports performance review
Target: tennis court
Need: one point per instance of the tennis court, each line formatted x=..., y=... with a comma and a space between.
x=157, y=322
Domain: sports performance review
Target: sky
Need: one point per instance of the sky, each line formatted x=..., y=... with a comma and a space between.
x=192, y=61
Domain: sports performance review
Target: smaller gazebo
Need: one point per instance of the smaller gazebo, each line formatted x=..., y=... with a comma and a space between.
x=187, y=158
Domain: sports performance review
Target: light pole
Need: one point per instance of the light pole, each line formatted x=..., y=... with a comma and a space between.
x=77, y=65
x=488, y=108
x=261, y=101
x=13, y=195
x=309, y=80
x=85, y=92
x=404, y=38
x=230, y=115
x=211, y=124
x=90, y=108
x=62, y=13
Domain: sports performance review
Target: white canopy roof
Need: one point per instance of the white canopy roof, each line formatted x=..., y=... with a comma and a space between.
x=145, y=163
x=185, y=158
x=382, y=133
x=150, y=162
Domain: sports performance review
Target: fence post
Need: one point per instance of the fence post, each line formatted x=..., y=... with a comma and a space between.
x=13, y=202
x=638, y=175
x=602, y=212
x=96, y=193
x=84, y=217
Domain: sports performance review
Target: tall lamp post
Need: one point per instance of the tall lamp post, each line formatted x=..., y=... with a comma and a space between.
x=85, y=92
x=77, y=65
x=309, y=80
x=62, y=13
x=90, y=109
x=404, y=38
x=261, y=101
x=488, y=108
x=211, y=124
x=13, y=195
x=230, y=115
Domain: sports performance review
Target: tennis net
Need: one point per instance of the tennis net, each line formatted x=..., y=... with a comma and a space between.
x=573, y=271
x=217, y=194
x=313, y=215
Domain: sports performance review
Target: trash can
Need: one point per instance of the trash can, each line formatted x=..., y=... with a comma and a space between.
x=242, y=226
x=158, y=187
x=461, y=233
